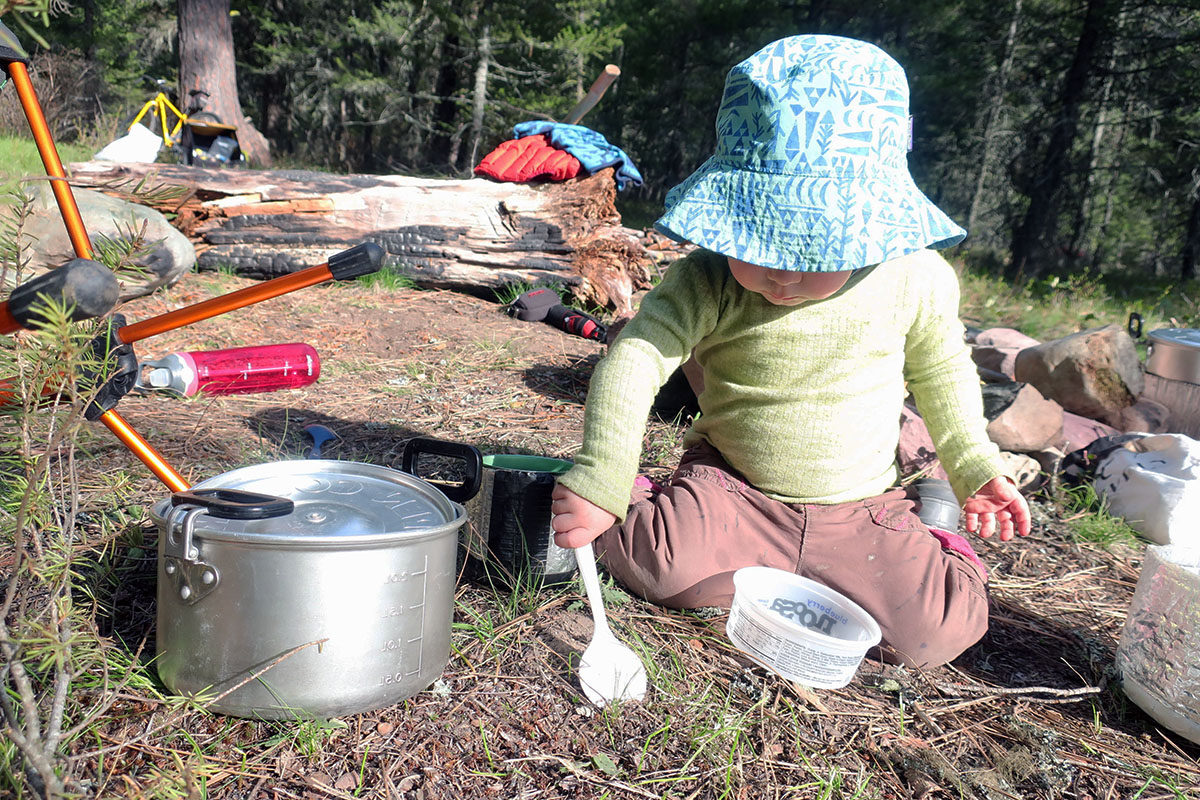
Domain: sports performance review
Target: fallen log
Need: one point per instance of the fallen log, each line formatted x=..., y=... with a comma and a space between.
x=471, y=235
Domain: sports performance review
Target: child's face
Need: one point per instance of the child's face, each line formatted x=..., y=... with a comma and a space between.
x=784, y=287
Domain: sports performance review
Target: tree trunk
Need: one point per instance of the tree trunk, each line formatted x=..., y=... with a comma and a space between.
x=446, y=111
x=206, y=64
x=1032, y=245
x=476, y=235
x=995, y=109
x=1191, y=240
x=479, y=101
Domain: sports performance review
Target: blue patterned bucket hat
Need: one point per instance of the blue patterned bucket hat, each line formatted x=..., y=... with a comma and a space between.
x=811, y=171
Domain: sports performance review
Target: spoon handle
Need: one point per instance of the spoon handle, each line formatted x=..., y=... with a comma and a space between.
x=585, y=557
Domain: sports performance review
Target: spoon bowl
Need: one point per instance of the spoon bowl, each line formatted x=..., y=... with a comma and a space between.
x=609, y=671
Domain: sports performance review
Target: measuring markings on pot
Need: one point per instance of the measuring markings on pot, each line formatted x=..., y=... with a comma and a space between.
x=399, y=646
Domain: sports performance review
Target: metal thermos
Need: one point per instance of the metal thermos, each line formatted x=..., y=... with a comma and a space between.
x=938, y=507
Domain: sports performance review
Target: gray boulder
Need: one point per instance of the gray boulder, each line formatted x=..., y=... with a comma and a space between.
x=1095, y=373
x=166, y=252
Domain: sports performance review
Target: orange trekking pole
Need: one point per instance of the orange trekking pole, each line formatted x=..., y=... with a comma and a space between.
x=359, y=260
x=15, y=64
x=115, y=342
x=14, y=60
x=82, y=284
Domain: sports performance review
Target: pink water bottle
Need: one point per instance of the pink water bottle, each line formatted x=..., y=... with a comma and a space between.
x=237, y=370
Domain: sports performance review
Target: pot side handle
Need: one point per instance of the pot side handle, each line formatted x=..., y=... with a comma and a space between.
x=235, y=503
x=1135, y=325
x=470, y=456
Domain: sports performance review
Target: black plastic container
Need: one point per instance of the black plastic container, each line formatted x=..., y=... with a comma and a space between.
x=510, y=539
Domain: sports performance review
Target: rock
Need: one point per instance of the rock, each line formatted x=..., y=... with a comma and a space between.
x=1024, y=469
x=996, y=349
x=1080, y=431
x=915, y=453
x=167, y=252
x=1094, y=373
x=1049, y=460
x=1020, y=419
x=1144, y=416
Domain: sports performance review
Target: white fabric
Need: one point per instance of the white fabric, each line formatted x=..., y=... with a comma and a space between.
x=1154, y=484
x=140, y=144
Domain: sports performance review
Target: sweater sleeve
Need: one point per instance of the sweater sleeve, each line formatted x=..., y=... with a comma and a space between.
x=943, y=380
x=671, y=319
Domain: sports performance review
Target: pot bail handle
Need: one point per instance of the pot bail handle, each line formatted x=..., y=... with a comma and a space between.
x=470, y=456
x=235, y=503
x=1135, y=325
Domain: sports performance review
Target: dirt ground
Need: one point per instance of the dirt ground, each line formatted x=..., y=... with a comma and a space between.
x=1034, y=710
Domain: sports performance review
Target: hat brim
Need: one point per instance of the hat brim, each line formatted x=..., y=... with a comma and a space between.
x=811, y=223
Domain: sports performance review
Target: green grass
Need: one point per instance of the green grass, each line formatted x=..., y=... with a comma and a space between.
x=19, y=158
x=389, y=278
x=1089, y=520
x=1053, y=307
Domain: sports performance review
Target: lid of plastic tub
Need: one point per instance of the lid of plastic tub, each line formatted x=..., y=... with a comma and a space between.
x=524, y=463
x=755, y=586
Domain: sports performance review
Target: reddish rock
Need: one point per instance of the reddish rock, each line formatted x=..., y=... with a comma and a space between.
x=1079, y=432
x=1094, y=373
x=997, y=348
x=1020, y=419
x=915, y=453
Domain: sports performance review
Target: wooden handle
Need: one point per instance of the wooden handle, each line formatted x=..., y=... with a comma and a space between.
x=610, y=74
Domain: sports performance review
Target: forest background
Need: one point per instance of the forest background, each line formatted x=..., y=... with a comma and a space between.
x=1061, y=133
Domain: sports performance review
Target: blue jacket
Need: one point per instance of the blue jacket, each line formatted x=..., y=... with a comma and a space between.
x=593, y=150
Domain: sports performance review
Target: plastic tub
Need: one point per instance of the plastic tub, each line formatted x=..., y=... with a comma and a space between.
x=798, y=628
x=1159, y=649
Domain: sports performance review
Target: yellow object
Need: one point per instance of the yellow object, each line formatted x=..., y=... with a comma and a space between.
x=162, y=109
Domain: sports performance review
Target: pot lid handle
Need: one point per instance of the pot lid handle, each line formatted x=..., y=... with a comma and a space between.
x=235, y=503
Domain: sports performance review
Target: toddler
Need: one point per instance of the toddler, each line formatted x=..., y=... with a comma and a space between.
x=815, y=302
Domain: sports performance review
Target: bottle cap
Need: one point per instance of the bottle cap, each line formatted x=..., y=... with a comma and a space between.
x=159, y=378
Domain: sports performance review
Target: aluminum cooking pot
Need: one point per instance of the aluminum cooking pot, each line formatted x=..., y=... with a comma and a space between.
x=357, y=557
x=1174, y=353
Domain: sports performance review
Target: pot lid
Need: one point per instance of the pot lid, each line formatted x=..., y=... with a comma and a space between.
x=1188, y=337
x=336, y=502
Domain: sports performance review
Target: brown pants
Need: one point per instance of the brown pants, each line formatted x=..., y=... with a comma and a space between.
x=680, y=547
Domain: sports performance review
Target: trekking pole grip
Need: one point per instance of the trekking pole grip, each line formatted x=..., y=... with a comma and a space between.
x=359, y=260
x=86, y=287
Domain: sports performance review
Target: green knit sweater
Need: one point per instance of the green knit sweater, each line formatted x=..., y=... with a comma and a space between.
x=804, y=401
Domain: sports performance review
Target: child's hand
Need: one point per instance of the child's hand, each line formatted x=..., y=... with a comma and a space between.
x=576, y=521
x=997, y=506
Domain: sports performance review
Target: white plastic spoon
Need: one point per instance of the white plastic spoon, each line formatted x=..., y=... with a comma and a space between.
x=609, y=671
